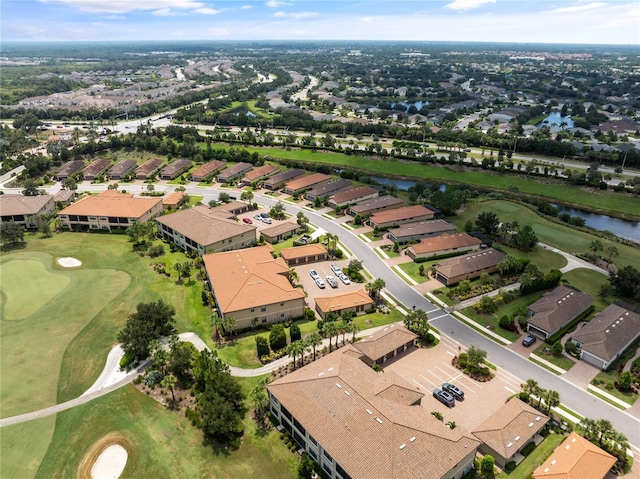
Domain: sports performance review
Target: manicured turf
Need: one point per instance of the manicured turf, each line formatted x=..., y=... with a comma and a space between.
x=590, y=282
x=32, y=349
x=533, y=460
x=65, y=349
x=22, y=447
x=22, y=296
x=413, y=271
x=163, y=443
x=562, y=237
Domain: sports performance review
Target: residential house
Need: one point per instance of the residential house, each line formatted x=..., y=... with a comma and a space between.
x=400, y=216
x=233, y=172
x=576, y=458
x=95, y=169
x=508, y=430
x=121, y=169
x=278, y=180
x=25, y=210
x=305, y=254
x=253, y=287
x=327, y=188
x=444, y=245
x=109, y=210
x=205, y=230
x=556, y=309
x=172, y=201
x=469, y=266
x=69, y=169
x=148, y=169
x=65, y=197
x=386, y=344
x=609, y=333
x=357, y=302
x=233, y=208
x=356, y=423
x=421, y=229
x=374, y=205
x=280, y=232
x=260, y=173
x=207, y=171
x=302, y=183
x=175, y=169
x=353, y=195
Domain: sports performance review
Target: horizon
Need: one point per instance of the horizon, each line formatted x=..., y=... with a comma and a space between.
x=553, y=22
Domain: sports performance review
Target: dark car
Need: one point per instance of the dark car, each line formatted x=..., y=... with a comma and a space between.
x=455, y=391
x=529, y=340
x=444, y=397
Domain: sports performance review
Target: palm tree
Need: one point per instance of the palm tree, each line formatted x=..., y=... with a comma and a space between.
x=330, y=330
x=314, y=340
x=588, y=425
x=375, y=287
x=604, y=430
x=531, y=387
x=216, y=323
x=169, y=382
x=552, y=399
x=332, y=242
x=259, y=399
x=228, y=322
x=541, y=393
x=611, y=253
x=293, y=277
x=452, y=425
x=295, y=349
x=353, y=329
x=595, y=246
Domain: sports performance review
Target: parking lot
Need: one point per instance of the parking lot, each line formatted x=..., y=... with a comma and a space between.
x=427, y=369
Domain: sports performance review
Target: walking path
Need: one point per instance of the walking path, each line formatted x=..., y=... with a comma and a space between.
x=573, y=262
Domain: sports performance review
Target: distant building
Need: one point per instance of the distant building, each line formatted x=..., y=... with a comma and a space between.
x=374, y=205
x=353, y=195
x=64, y=196
x=556, y=309
x=148, y=169
x=69, y=169
x=25, y=210
x=327, y=188
x=280, y=232
x=278, y=180
x=233, y=172
x=421, y=229
x=356, y=302
x=172, y=201
x=309, y=253
x=175, y=169
x=385, y=344
x=443, y=245
x=603, y=339
x=469, y=266
x=207, y=171
x=121, y=169
x=95, y=169
x=302, y=183
x=109, y=210
x=253, y=287
x=400, y=216
x=260, y=173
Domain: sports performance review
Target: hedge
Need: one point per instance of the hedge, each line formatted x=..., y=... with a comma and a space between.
x=554, y=337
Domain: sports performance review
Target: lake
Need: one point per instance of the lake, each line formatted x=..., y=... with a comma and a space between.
x=557, y=118
x=624, y=229
x=402, y=185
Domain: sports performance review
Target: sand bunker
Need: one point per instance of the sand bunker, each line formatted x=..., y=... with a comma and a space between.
x=110, y=463
x=69, y=262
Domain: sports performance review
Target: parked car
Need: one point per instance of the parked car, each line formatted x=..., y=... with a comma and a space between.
x=332, y=281
x=264, y=215
x=320, y=283
x=444, y=397
x=247, y=220
x=455, y=391
x=314, y=274
x=336, y=269
x=529, y=340
x=257, y=217
x=344, y=278
x=267, y=220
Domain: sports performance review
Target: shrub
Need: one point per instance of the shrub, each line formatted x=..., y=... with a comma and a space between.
x=153, y=378
x=262, y=346
x=556, y=349
x=571, y=348
x=294, y=333
x=507, y=323
x=462, y=359
x=430, y=338
x=277, y=337
x=510, y=466
x=624, y=381
x=528, y=449
x=126, y=361
x=155, y=251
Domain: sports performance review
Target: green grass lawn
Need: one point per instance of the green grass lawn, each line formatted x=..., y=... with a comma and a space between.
x=588, y=281
x=562, y=237
x=533, y=460
x=413, y=271
x=160, y=443
x=597, y=199
x=561, y=361
x=22, y=447
x=58, y=351
x=545, y=259
x=606, y=379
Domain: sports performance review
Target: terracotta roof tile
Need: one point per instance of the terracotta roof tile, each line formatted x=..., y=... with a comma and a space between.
x=306, y=181
x=557, y=307
x=111, y=204
x=384, y=341
x=342, y=301
x=303, y=251
x=444, y=242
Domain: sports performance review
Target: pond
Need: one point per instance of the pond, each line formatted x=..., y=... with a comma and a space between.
x=556, y=119
x=624, y=229
x=402, y=185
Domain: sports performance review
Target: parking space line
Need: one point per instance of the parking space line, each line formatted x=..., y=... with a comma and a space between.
x=429, y=381
x=421, y=385
x=510, y=390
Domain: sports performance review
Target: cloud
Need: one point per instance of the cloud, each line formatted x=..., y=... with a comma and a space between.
x=207, y=11
x=123, y=6
x=164, y=12
x=294, y=15
x=276, y=3
x=579, y=8
x=246, y=7
x=467, y=4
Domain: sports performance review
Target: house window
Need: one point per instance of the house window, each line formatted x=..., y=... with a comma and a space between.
x=93, y=227
x=263, y=309
x=92, y=218
x=282, y=304
x=253, y=309
x=103, y=218
x=264, y=319
x=282, y=315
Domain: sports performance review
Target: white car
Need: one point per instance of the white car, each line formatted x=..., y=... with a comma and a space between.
x=314, y=274
x=332, y=281
x=267, y=220
x=336, y=269
x=344, y=278
x=320, y=283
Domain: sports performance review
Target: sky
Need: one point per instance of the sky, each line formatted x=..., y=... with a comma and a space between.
x=523, y=21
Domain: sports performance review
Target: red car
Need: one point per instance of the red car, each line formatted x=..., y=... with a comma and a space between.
x=247, y=220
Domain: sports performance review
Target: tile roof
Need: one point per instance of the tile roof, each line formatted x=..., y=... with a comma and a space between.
x=342, y=301
x=362, y=420
x=260, y=172
x=384, y=341
x=96, y=167
x=208, y=168
x=374, y=203
x=353, y=194
x=176, y=167
x=444, y=242
x=403, y=213
x=12, y=205
x=64, y=195
x=69, y=168
x=284, y=176
x=576, y=458
x=303, y=251
x=470, y=263
x=329, y=186
x=306, y=181
x=280, y=228
x=204, y=225
x=608, y=332
x=235, y=170
x=111, y=203
x=172, y=199
x=122, y=167
x=149, y=166
x=557, y=307
x=249, y=278
x=510, y=427
x=423, y=228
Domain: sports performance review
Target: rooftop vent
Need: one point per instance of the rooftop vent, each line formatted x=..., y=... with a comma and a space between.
x=368, y=411
x=379, y=420
x=517, y=438
x=538, y=418
x=413, y=438
x=530, y=424
x=553, y=463
x=510, y=444
x=402, y=446
x=338, y=384
x=347, y=393
x=320, y=374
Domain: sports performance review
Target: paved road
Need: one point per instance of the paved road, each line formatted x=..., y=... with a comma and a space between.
x=571, y=395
